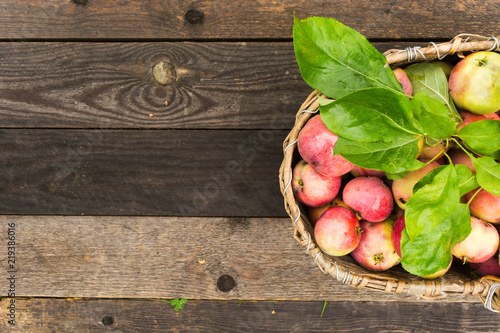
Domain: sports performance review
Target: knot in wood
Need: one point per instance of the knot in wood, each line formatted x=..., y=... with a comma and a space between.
x=164, y=73
x=194, y=16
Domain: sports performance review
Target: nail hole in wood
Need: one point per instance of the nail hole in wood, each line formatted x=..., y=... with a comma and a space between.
x=107, y=321
x=194, y=16
x=226, y=283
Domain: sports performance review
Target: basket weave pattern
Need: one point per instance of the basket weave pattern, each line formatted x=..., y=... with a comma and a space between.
x=344, y=268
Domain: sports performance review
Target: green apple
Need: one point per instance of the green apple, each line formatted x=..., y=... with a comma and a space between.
x=475, y=82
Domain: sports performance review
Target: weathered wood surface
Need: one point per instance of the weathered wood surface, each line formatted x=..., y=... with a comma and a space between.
x=252, y=85
x=41, y=315
x=141, y=172
x=224, y=19
x=167, y=257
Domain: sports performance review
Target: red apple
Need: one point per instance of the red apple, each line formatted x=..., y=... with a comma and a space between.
x=458, y=156
x=375, y=251
x=403, y=80
x=316, y=143
x=312, y=188
x=488, y=267
x=480, y=245
x=314, y=213
x=485, y=205
x=370, y=197
x=397, y=229
x=362, y=172
x=337, y=232
x=468, y=117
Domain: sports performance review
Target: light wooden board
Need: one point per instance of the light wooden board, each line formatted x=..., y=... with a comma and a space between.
x=40, y=315
x=158, y=19
x=167, y=257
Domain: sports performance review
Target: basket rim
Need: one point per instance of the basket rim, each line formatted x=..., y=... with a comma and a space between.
x=303, y=233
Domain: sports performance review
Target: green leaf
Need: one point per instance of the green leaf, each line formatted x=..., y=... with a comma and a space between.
x=396, y=156
x=396, y=175
x=466, y=180
x=432, y=203
x=430, y=78
x=430, y=252
x=369, y=115
x=488, y=174
x=482, y=137
x=336, y=60
x=433, y=116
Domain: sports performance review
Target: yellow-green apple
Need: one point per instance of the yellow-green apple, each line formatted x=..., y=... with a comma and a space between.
x=370, y=197
x=402, y=188
x=474, y=82
x=484, y=205
x=375, y=251
x=480, y=245
x=439, y=273
x=337, y=232
x=316, y=143
x=429, y=152
x=312, y=188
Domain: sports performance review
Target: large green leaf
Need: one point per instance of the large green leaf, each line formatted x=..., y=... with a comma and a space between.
x=396, y=156
x=488, y=174
x=369, y=115
x=433, y=117
x=466, y=180
x=432, y=203
x=428, y=253
x=337, y=60
x=482, y=137
x=430, y=78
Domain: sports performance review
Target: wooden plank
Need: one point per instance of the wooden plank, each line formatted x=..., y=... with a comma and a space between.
x=135, y=19
x=167, y=257
x=111, y=85
x=103, y=315
x=141, y=172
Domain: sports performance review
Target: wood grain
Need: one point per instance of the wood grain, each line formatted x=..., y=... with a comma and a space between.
x=111, y=85
x=168, y=257
x=224, y=19
x=141, y=172
x=103, y=315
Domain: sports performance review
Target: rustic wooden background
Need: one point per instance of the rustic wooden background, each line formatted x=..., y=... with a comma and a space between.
x=129, y=187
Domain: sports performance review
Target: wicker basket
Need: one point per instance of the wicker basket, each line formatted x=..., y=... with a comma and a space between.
x=396, y=280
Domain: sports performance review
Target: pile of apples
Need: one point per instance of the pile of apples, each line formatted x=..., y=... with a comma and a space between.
x=360, y=212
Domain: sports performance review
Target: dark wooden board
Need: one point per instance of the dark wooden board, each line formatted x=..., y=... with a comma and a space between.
x=224, y=19
x=104, y=315
x=252, y=85
x=141, y=172
x=168, y=257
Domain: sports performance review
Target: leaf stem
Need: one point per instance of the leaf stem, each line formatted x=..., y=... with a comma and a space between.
x=475, y=193
x=465, y=150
